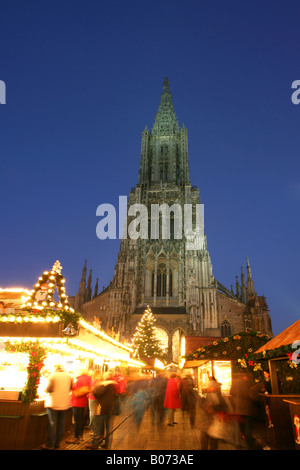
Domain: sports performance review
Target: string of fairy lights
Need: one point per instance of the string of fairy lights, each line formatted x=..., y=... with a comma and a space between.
x=42, y=295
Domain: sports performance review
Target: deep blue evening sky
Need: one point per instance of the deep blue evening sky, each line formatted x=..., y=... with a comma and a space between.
x=83, y=78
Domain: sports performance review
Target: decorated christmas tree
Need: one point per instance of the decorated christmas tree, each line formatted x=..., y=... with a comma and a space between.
x=145, y=341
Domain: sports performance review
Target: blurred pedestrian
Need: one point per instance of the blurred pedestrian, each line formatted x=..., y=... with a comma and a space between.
x=214, y=407
x=188, y=398
x=158, y=386
x=57, y=403
x=120, y=380
x=95, y=378
x=244, y=397
x=105, y=393
x=140, y=401
x=172, y=398
x=79, y=403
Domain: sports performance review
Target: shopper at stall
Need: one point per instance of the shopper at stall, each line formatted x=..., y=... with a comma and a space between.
x=79, y=403
x=105, y=393
x=244, y=398
x=57, y=403
x=266, y=385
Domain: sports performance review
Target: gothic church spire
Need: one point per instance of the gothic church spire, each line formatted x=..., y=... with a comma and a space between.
x=166, y=122
x=250, y=283
x=164, y=151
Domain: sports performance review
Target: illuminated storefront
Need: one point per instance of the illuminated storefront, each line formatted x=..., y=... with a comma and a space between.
x=36, y=334
x=203, y=370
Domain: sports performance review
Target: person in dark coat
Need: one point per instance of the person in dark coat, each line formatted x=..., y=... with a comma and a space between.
x=188, y=398
x=158, y=388
x=105, y=393
x=244, y=398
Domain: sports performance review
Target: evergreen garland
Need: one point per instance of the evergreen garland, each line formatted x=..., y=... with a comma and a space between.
x=240, y=350
x=41, y=304
x=37, y=356
x=234, y=348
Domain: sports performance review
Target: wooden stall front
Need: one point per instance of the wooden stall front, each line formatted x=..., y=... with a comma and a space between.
x=294, y=407
x=23, y=426
x=280, y=408
x=38, y=332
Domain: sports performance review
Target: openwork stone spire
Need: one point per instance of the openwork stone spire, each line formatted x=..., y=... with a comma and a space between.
x=166, y=122
x=164, y=152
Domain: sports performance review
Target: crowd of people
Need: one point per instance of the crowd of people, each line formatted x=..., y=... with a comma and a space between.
x=96, y=397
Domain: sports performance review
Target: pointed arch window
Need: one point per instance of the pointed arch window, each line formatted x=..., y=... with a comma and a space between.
x=225, y=329
x=170, y=284
x=161, y=283
x=161, y=286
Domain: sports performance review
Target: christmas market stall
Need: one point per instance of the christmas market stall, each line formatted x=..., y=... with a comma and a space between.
x=222, y=358
x=35, y=336
x=280, y=356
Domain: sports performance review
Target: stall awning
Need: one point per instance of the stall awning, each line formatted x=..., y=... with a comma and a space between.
x=192, y=364
x=286, y=337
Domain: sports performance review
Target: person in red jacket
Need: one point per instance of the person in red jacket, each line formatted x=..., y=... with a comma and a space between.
x=121, y=387
x=172, y=398
x=79, y=403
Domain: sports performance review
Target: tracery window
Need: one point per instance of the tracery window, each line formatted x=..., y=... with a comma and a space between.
x=161, y=283
x=225, y=329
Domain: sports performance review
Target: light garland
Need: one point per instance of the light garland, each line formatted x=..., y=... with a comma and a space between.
x=71, y=346
x=15, y=289
x=42, y=295
x=103, y=335
x=40, y=307
x=17, y=318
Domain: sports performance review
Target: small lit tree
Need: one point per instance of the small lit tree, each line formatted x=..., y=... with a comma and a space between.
x=145, y=341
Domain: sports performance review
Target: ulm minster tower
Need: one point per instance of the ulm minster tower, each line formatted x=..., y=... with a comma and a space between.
x=176, y=282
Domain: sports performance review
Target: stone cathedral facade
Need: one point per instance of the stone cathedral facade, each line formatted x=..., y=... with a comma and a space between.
x=175, y=280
